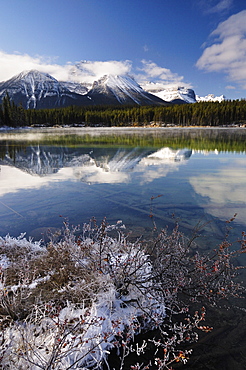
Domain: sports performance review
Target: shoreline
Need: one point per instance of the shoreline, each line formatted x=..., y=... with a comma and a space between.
x=121, y=128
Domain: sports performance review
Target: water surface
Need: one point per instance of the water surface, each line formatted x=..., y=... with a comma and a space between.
x=197, y=176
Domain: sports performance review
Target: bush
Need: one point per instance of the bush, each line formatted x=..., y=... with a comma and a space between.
x=67, y=304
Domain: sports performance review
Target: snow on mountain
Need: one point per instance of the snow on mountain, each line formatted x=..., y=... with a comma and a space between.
x=174, y=94
x=168, y=154
x=123, y=85
x=180, y=94
x=76, y=87
x=34, y=89
x=211, y=98
x=33, y=85
x=122, y=90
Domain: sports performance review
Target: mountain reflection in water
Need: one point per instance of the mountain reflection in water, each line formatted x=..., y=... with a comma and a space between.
x=83, y=173
x=200, y=175
x=89, y=167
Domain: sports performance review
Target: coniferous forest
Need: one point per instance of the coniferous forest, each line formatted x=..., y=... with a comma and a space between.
x=199, y=114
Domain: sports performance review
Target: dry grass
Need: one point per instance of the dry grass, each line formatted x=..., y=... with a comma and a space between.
x=78, y=268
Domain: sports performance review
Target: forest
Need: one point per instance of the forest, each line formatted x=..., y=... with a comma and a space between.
x=226, y=113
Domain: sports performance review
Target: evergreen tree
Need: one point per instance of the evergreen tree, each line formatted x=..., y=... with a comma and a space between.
x=7, y=111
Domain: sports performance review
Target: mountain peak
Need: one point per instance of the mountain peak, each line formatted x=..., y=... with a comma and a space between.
x=173, y=94
x=210, y=98
x=35, y=75
x=122, y=89
x=34, y=89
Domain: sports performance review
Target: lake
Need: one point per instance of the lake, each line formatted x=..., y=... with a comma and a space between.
x=195, y=176
x=144, y=177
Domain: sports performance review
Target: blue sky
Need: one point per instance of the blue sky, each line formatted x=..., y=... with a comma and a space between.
x=199, y=44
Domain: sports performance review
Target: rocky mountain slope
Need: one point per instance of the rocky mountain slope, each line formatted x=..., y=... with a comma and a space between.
x=121, y=90
x=34, y=89
x=176, y=95
x=180, y=95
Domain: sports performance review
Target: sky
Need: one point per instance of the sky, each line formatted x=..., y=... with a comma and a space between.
x=199, y=44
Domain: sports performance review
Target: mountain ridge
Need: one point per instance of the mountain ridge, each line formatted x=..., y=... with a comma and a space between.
x=122, y=90
x=34, y=89
x=37, y=90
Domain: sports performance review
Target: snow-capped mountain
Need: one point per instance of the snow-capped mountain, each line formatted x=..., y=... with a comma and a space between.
x=34, y=89
x=176, y=95
x=168, y=154
x=76, y=87
x=121, y=90
x=179, y=95
x=211, y=98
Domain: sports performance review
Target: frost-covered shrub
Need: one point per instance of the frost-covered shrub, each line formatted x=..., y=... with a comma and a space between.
x=66, y=305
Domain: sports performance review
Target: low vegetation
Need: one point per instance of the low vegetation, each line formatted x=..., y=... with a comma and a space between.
x=68, y=304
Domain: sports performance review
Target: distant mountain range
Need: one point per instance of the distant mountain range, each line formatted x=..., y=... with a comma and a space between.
x=211, y=97
x=180, y=95
x=34, y=89
x=175, y=95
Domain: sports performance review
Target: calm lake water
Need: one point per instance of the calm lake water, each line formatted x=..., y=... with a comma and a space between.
x=197, y=176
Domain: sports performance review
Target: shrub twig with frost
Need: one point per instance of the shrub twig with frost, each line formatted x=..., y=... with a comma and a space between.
x=89, y=292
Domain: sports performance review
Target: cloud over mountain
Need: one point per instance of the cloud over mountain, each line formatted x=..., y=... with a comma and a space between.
x=227, y=53
x=89, y=71
x=86, y=71
x=12, y=64
x=151, y=71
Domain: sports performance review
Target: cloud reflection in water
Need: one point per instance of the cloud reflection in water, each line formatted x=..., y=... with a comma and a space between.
x=225, y=190
x=42, y=169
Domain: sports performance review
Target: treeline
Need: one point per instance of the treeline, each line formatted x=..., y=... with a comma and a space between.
x=198, y=114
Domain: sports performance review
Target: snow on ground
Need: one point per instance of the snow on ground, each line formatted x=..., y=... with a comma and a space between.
x=82, y=333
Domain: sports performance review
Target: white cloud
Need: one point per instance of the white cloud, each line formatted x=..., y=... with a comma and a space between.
x=159, y=164
x=220, y=6
x=224, y=190
x=161, y=76
x=14, y=179
x=227, y=54
x=153, y=71
x=88, y=71
x=234, y=25
x=13, y=64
